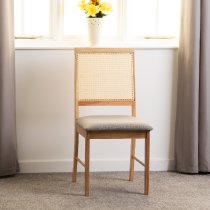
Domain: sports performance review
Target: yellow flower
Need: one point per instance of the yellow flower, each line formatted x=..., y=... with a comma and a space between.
x=92, y=10
x=105, y=7
x=82, y=5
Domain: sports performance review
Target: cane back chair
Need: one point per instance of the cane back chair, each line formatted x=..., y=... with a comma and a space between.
x=105, y=77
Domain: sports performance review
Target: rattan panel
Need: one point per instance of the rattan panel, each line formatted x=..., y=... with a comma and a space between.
x=105, y=76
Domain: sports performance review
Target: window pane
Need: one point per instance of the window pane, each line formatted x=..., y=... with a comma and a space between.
x=32, y=17
x=36, y=17
x=153, y=17
x=75, y=19
x=110, y=24
x=18, y=17
x=141, y=17
x=169, y=17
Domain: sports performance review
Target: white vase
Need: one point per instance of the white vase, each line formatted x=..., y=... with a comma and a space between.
x=94, y=30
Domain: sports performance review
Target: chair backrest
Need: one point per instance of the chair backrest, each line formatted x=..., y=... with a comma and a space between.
x=104, y=76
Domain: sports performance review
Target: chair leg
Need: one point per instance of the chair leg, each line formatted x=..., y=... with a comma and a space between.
x=147, y=157
x=132, y=155
x=76, y=148
x=87, y=167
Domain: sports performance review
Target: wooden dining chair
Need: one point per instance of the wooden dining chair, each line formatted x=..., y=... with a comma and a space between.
x=105, y=77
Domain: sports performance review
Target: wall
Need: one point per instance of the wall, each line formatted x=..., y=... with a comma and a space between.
x=44, y=91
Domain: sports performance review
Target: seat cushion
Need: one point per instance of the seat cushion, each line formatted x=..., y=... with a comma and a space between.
x=112, y=123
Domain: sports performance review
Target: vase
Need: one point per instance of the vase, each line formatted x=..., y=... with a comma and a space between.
x=94, y=30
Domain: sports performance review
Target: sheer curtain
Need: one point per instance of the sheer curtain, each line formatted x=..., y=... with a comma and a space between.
x=192, y=139
x=8, y=151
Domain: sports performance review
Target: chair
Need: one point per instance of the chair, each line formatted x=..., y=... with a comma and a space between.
x=105, y=77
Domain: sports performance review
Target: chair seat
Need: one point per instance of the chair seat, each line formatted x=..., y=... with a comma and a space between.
x=112, y=123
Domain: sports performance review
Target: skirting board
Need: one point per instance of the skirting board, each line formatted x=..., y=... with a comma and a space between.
x=97, y=165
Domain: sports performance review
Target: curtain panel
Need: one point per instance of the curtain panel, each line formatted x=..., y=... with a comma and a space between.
x=192, y=134
x=8, y=148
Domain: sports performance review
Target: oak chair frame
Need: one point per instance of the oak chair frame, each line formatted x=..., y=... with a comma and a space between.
x=88, y=135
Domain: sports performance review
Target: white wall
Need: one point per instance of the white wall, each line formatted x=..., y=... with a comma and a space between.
x=44, y=88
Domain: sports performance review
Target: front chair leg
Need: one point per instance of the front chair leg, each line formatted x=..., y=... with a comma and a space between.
x=132, y=155
x=76, y=148
x=87, y=166
x=147, y=156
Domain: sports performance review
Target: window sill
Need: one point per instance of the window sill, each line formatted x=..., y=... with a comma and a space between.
x=67, y=45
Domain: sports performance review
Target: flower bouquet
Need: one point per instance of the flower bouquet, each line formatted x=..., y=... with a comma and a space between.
x=95, y=8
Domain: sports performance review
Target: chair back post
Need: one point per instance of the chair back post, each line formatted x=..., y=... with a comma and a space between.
x=133, y=109
x=134, y=84
x=76, y=91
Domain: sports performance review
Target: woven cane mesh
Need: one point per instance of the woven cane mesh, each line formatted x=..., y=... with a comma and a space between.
x=105, y=76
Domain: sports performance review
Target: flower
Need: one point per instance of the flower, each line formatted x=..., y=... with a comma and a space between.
x=94, y=8
x=96, y=2
x=105, y=7
x=82, y=5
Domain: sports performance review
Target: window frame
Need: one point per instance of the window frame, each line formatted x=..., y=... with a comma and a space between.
x=57, y=39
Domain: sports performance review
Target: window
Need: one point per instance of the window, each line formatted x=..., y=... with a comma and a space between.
x=153, y=18
x=61, y=20
x=31, y=19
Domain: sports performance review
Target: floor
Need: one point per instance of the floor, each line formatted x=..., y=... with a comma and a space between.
x=110, y=190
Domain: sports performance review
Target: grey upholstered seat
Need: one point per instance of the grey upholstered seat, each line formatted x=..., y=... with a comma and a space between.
x=112, y=123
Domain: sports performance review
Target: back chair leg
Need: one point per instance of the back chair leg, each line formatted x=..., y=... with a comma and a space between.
x=132, y=155
x=87, y=166
x=147, y=156
x=76, y=148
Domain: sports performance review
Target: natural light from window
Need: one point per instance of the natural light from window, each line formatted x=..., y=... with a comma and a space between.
x=31, y=19
x=153, y=18
x=130, y=20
